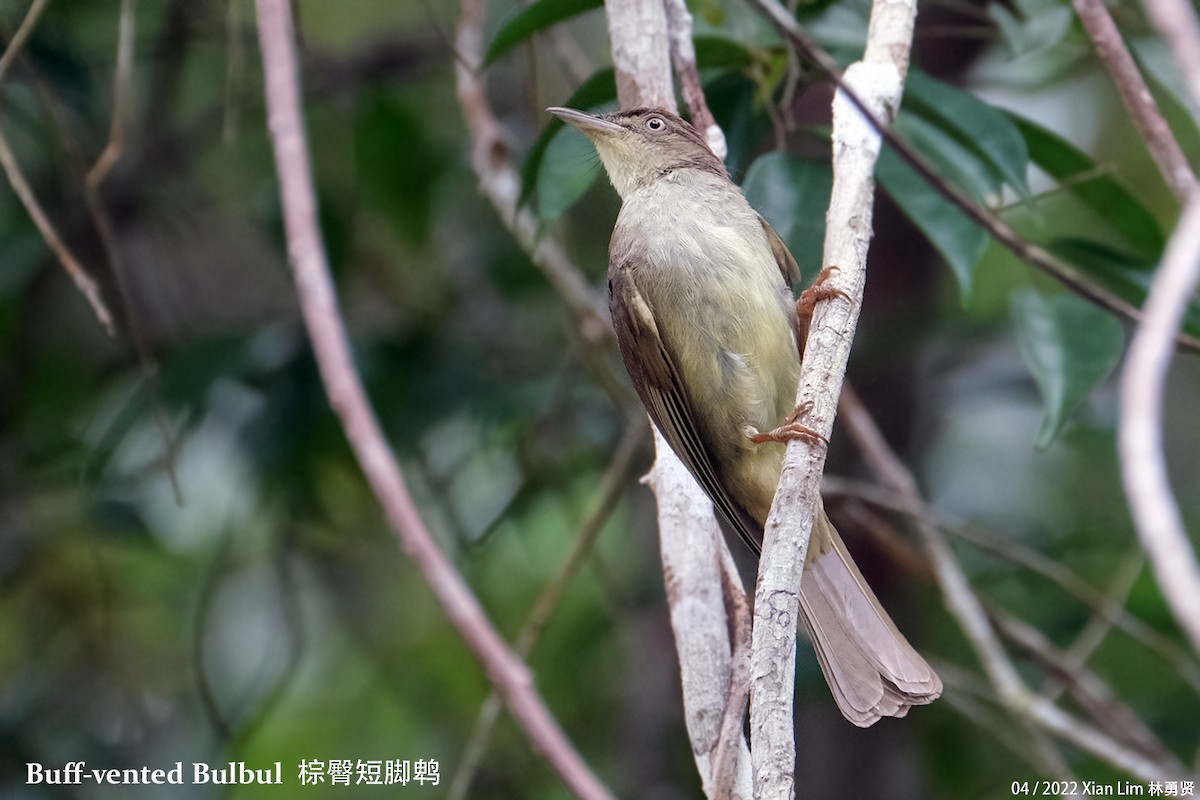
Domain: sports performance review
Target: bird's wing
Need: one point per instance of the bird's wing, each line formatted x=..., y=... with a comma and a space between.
x=783, y=257
x=653, y=367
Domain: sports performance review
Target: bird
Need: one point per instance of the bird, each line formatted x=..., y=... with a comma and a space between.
x=700, y=294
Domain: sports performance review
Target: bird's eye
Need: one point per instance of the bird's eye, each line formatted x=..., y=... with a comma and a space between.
x=656, y=123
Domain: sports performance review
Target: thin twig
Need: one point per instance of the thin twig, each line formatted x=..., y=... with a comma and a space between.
x=683, y=57
x=731, y=759
x=79, y=276
x=9, y=57
x=122, y=89
x=102, y=222
x=500, y=183
x=975, y=699
x=84, y=282
x=1092, y=694
x=1100, y=625
x=1135, y=94
x=1065, y=273
x=318, y=303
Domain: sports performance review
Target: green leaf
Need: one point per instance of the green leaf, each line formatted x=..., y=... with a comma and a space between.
x=717, y=51
x=534, y=18
x=1099, y=191
x=1126, y=275
x=569, y=168
x=982, y=129
x=1154, y=57
x=1034, y=26
x=398, y=164
x=1070, y=346
x=949, y=158
x=792, y=194
x=959, y=240
x=600, y=88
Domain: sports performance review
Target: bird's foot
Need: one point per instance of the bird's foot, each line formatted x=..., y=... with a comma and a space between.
x=818, y=292
x=807, y=303
x=792, y=428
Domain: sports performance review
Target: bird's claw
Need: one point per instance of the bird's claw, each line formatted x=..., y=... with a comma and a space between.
x=792, y=428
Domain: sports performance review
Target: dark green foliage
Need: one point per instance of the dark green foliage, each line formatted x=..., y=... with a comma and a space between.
x=535, y=17
x=193, y=567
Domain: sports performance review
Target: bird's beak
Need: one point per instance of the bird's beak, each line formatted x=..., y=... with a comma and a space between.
x=587, y=123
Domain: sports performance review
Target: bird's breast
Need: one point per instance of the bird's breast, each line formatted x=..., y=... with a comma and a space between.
x=723, y=309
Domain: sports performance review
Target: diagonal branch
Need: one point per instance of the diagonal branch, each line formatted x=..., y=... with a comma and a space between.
x=318, y=303
x=1135, y=95
x=83, y=281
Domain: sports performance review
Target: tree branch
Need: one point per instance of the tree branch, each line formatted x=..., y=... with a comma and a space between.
x=9, y=57
x=637, y=30
x=683, y=57
x=83, y=281
x=1142, y=108
x=693, y=551
x=1140, y=436
x=122, y=89
x=331, y=347
x=1143, y=465
x=878, y=79
x=704, y=591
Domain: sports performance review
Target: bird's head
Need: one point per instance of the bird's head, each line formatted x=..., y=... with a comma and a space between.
x=642, y=145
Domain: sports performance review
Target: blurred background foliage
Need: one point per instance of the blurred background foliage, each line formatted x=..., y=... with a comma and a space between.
x=191, y=566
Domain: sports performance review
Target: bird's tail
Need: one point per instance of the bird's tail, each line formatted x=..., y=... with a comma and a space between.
x=872, y=669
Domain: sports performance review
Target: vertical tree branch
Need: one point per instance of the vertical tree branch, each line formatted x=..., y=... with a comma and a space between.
x=331, y=347
x=1140, y=436
x=878, y=80
x=1143, y=466
x=637, y=30
x=122, y=89
x=692, y=545
x=697, y=566
x=683, y=56
x=501, y=185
